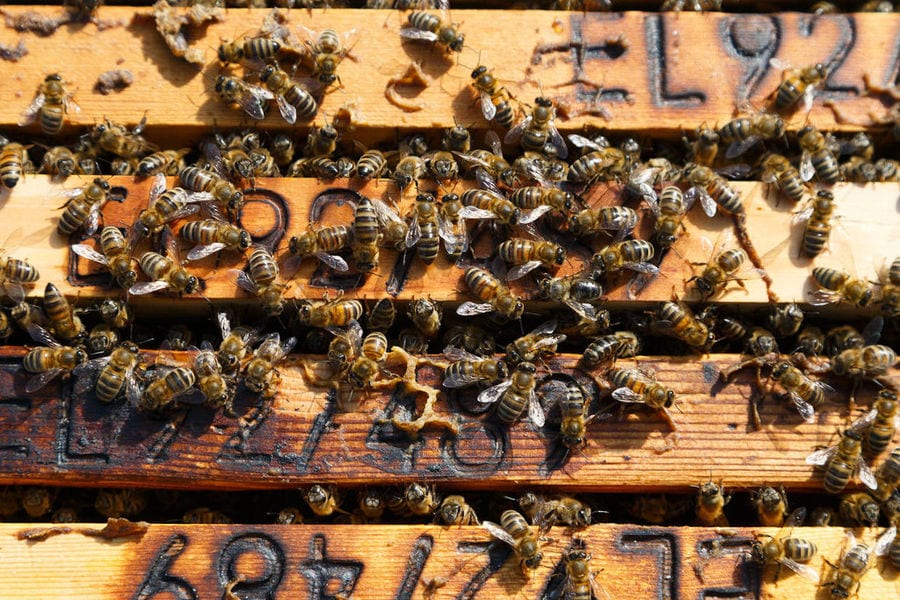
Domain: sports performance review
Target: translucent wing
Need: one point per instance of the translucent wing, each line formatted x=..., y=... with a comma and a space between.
x=513, y=135
x=202, y=251
x=245, y=282
x=519, y=271
x=414, y=233
x=467, y=309
x=493, y=393
x=335, y=262
x=737, y=148
x=413, y=33
x=253, y=101
x=157, y=188
x=624, y=394
x=821, y=457
x=803, y=570
x=535, y=411
x=132, y=389
x=706, y=202
x=808, y=96
x=806, y=166
x=499, y=533
x=147, y=287
x=558, y=142
x=803, y=407
x=85, y=251
x=884, y=541
x=802, y=216
x=487, y=107
x=287, y=110
x=15, y=291
x=42, y=379
x=866, y=475
x=642, y=267
x=42, y=336
x=85, y=372
x=92, y=223
x=33, y=109
x=534, y=214
x=579, y=141
x=224, y=323
x=455, y=353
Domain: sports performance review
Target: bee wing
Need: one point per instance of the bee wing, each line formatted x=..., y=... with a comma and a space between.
x=70, y=105
x=738, y=147
x=493, y=393
x=460, y=380
x=803, y=570
x=42, y=336
x=779, y=64
x=467, y=309
x=862, y=423
x=598, y=590
x=866, y=475
x=535, y=410
x=643, y=267
x=288, y=345
x=530, y=216
x=385, y=213
x=499, y=533
x=31, y=113
x=202, y=251
x=253, y=102
x=806, y=166
x=513, y=135
x=42, y=379
x=15, y=291
x=706, y=202
x=809, y=95
x=470, y=212
x=801, y=216
x=92, y=223
x=579, y=141
x=884, y=541
x=244, y=281
x=582, y=310
x=132, y=389
x=224, y=323
x=455, y=353
x=821, y=457
x=287, y=110
x=414, y=232
x=85, y=251
x=147, y=287
x=413, y=33
x=803, y=407
x=823, y=297
x=85, y=372
x=519, y=271
x=335, y=262
x=627, y=395
x=558, y=142
x=487, y=107
x=157, y=188
x=872, y=332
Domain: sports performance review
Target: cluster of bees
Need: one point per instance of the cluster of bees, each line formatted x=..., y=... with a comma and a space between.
x=528, y=202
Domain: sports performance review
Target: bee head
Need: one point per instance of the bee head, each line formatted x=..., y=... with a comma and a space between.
x=244, y=240
x=479, y=71
x=457, y=43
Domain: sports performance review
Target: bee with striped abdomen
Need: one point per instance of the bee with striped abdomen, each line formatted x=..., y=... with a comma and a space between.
x=14, y=162
x=433, y=28
x=167, y=162
x=164, y=206
x=527, y=255
x=840, y=286
x=261, y=374
x=292, y=99
x=50, y=361
x=798, y=84
x=515, y=395
x=261, y=280
x=743, y=133
x=845, y=459
x=635, y=386
x=817, y=158
x=514, y=530
x=213, y=235
x=249, y=49
x=494, y=98
x=538, y=130
x=115, y=255
x=787, y=551
x=251, y=98
x=494, y=296
x=320, y=242
x=166, y=275
x=51, y=104
x=83, y=207
x=114, y=374
x=328, y=313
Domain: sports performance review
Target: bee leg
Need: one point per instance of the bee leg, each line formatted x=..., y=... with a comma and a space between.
x=851, y=401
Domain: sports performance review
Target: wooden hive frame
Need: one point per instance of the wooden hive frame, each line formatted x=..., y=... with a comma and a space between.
x=632, y=72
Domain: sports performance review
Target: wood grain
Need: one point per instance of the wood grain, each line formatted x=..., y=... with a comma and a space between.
x=378, y=561
x=868, y=232
x=662, y=72
x=56, y=437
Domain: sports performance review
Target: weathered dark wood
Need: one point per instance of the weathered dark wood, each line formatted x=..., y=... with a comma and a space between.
x=55, y=437
x=206, y=561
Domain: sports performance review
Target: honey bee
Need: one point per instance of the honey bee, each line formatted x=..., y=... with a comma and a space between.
x=514, y=395
x=213, y=181
x=367, y=235
x=323, y=500
x=344, y=348
x=710, y=505
x=887, y=169
x=846, y=337
x=262, y=281
x=806, y=395
x=743, y=133
x=213, y=235
x=13, y=162
x=704, y=150
x=591, y=221
x=281, y=146
x=604, y=164
x=217, y=388
x=408, y=170
x=371, y=164
x=381, y=316
x=712, y=190
x=467, y=369
x=454, y=511
x=858, y=510
x=471, y=338
x=126, y=503
x=117, y=139
x=573, y=290
x=250, y=49
x=514, y=530
x=628, y=254
x=452, y=226
x=425, y=315
x=723, y=266
x=292, y=99
x=260, y=374
x=545, y=513
x=787, y=551
x=870, y=361
x=51, y=104
x=581, y=582
x=424, y=229
x=168, y=385
x=605, y=349
x=166, y=275
x=494, y=296
x=845, y=459
x=367, y=365
x=421, y=499
x=115, y=256
x=371, y=503
x=433, y=28
x=327, y=49
x=799, y=83
x=48, y=363
x=495, y=99
x=58, y=160
x=817, y=158
x=811, y=341
x=252, y=98
x=83, y=207
x=531, y=197
x=412, y=340
x=573, y=406
x=492, y=205
x=325, y=313
x=840, y=286
x=779, y=171
x=884, y=423
x=114, y=374
x=771, y=506
x=538, y=344
x=848, y=573
x=669, y=212
x=489, y=167
x=167, y=162
x=62, y=321
x=640, y=387
x=235, y=345
x=15, y=272
x=538, y=130
x=676, y=320
x=786, y=319
x=443, y=167
x=527, y=255
x=165, y=206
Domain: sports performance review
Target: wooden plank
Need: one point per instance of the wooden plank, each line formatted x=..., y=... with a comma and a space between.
x=206, y=561
x=279, y=208
x=59, y=438
x=662, y=71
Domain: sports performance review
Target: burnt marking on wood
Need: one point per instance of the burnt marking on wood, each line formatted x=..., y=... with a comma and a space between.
x=162, y=442
x=261, y=587
x=731, y=548
x=159, y=581
x=336, y=197
x=393, y=450
x=496, y=553
x=479, y=448
x=752, y=40
x=418, y=556
x=78, y=270
x=92, y=428
x=319, y=569
x=321, y=424
x=14, y=411
x=663, y=546
x=281, y=213
x=65, y=436
x=658, y=76
x=843, y=45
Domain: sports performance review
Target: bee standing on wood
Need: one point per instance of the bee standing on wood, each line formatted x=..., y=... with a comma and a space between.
x=292, y=99
x=51, y=361
x=166, y=275
x=798, y=84
x=262, y=281
x=494, y=97
x=514, y=530
x=640, y=387
x=327, y=50
x=845, y=459
x=51, y=104
x=787, y=551
x=432, y=28
x=251, y=98
x=115, y=255
x=13, y=162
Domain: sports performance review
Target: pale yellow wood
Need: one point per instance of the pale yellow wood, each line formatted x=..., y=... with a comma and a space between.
x=685, y=89
x=399, y=561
